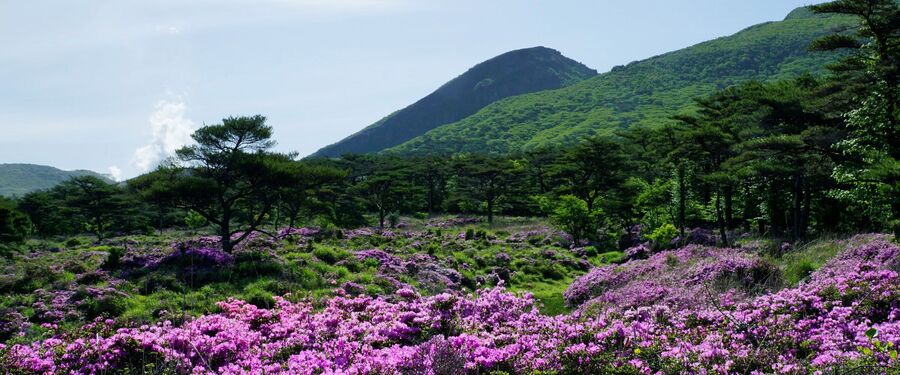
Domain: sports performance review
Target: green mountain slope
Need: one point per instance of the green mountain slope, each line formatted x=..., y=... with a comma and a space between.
x=20, y=179
x=643, y=93
x=512, y=73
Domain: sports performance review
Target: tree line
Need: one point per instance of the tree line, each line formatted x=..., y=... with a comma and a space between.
x=790, y=159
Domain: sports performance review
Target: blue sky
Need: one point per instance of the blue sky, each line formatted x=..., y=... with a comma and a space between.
x=114, y=86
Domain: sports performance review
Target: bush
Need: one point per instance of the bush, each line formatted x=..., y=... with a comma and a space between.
x=14, y=226
x=328, y=255
x=257, y=264
x=194, y=220
x=393, y=219
x=158, y=281
x=110, y=306
x=572, y=215
x=611, y=257
x=114, y=258
x=259, y=298
x=663, y=236
x=371, y=263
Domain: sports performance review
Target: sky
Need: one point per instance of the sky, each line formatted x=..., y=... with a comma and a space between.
x=117, y=85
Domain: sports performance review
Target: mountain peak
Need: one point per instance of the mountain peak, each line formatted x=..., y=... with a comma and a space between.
x=512, y=73
x=644, y=93
x=800, y=13
x=17, y=179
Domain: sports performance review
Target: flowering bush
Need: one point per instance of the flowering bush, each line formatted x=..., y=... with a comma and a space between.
x=687, y=276
x=299, y=232
x=452, y=222
x=421, y=267
x=847, y=316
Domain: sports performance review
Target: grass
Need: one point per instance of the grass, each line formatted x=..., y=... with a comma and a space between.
x=316, y=269
x=549, y=295
x=802, y=259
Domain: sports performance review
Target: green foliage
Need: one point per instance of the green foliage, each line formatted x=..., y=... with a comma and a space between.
x=228, y=176
x=489, y=181
x=662, y=236
x=14, y=225
x=114, y=257
x=329, y=255
x=195, y=220
x=641, y=94
x=572, y=215
x=872, y=73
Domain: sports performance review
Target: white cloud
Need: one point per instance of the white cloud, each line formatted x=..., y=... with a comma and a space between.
x=170, y=130
x=115, y=172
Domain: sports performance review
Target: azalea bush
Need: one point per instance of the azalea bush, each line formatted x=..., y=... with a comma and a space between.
x=846, y=317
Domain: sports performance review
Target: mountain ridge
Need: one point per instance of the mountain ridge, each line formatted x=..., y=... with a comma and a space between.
x=642, y=93
x=17, y=179
x=512, y=73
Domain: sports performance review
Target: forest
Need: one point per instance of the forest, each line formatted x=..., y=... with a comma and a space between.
x=756, y=233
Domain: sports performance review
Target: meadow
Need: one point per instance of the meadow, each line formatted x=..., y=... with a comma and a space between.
x=449, y=295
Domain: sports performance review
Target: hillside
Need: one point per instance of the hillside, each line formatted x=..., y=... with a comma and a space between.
x=512, y=73
x=643, y=93
x=19, y=179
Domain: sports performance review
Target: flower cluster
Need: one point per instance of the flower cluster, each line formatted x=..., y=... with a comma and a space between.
x=300, y=232
x=424, y=268
x=848, y=314
x=689, y=276
x=453, y=222
x=73, y=299
x=541, y=236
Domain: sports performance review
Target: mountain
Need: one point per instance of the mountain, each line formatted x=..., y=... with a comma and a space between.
x=642, y=93
x=20, y=179
x=512, y=73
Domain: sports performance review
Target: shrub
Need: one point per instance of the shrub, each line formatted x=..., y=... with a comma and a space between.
x=159, y=281
x=259, y=298
x=108, y=305
x=257, y=264
x=572, y=215
x=663, y=236
x=194, y=220
x=113, y=258
x=329, y=255
x=393, y=219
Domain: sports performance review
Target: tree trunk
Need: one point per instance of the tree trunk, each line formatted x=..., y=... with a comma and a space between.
x=430, y=198
x=807, y=204
x=796, y=215
x=159, y=218
x=729, y=207
x=749, y=207
x=99, y=222
x=719, y=219
x=682, y=205
x=895, y=208
x=225, y=231
x=776, y=216
x=490, y=210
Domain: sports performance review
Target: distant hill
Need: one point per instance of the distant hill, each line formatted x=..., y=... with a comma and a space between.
x=20, y=179
x=643, y=93
x=512, y=73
